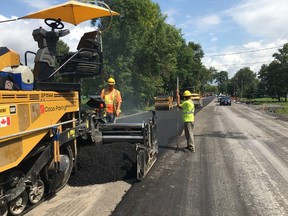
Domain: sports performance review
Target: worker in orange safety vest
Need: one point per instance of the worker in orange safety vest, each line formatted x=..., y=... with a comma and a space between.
x=113, y=100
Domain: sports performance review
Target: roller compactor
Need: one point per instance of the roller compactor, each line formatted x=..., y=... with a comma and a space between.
x=41, y=120
x=163, y=99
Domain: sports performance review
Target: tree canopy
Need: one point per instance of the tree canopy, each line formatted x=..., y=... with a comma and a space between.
x=274, y=77
x=271, y=80
x=141, y=51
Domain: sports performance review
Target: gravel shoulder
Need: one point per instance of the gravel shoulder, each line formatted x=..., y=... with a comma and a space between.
x=268, y=109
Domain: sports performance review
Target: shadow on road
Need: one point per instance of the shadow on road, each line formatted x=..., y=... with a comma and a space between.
x=172, y=148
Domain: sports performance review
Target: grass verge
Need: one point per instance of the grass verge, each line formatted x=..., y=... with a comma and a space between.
x=279, y=107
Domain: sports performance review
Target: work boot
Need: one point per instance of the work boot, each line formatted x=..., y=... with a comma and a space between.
x=191, y=148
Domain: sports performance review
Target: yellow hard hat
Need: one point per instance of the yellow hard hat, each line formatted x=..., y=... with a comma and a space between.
x=187, y=93
x=111, y=81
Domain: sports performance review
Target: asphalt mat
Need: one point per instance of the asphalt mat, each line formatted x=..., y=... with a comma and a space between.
x=105, y=163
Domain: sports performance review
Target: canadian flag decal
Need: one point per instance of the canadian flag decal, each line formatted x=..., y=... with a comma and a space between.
x=5, y=121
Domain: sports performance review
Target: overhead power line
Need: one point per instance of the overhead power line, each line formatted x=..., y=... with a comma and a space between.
x=276, y=44
x=239, y=64
x=242, y=52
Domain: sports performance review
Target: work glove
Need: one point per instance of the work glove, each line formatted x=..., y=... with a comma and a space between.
x=118, y=111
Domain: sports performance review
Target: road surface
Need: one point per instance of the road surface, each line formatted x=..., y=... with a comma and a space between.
x=240, y=167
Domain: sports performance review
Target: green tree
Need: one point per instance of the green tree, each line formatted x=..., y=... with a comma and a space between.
x=141, y=51
x=246, y=82
x=221, y=79
x=210, y=89
x=266, y=85
x=126, y=50
x=61, y=48
x=193, y=74
x=282, y=59
x=274, y=77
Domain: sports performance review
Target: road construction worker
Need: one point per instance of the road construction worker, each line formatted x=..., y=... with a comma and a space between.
x=113, y=100
x=188, y=118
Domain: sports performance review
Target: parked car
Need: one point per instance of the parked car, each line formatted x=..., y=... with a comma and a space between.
x=225, y=101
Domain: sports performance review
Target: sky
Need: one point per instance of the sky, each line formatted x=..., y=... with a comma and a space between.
x=233, y=34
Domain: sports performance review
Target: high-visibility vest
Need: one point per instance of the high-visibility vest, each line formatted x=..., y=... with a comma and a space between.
x=188, y=110
x=111, y=99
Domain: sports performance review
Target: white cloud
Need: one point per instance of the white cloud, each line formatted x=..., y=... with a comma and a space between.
x=207, y=21
x=254, y=44
x=39, y=4
x=264, y=18
x=252, y=54
x=200, y=24
x=248, y=25
x=171, y=13
x=264, y=22
x=213, y=39
x=76, y=33
x=17, y=36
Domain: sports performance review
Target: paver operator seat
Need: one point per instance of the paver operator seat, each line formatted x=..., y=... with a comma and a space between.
x=45, y=60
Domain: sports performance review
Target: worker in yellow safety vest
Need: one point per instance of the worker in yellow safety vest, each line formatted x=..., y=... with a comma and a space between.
x=113, y=100
x=188, y=118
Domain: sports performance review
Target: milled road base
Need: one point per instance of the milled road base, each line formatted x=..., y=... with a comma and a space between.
x=97, y=183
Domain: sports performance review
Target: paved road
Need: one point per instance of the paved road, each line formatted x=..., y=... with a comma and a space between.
x=240, y=167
